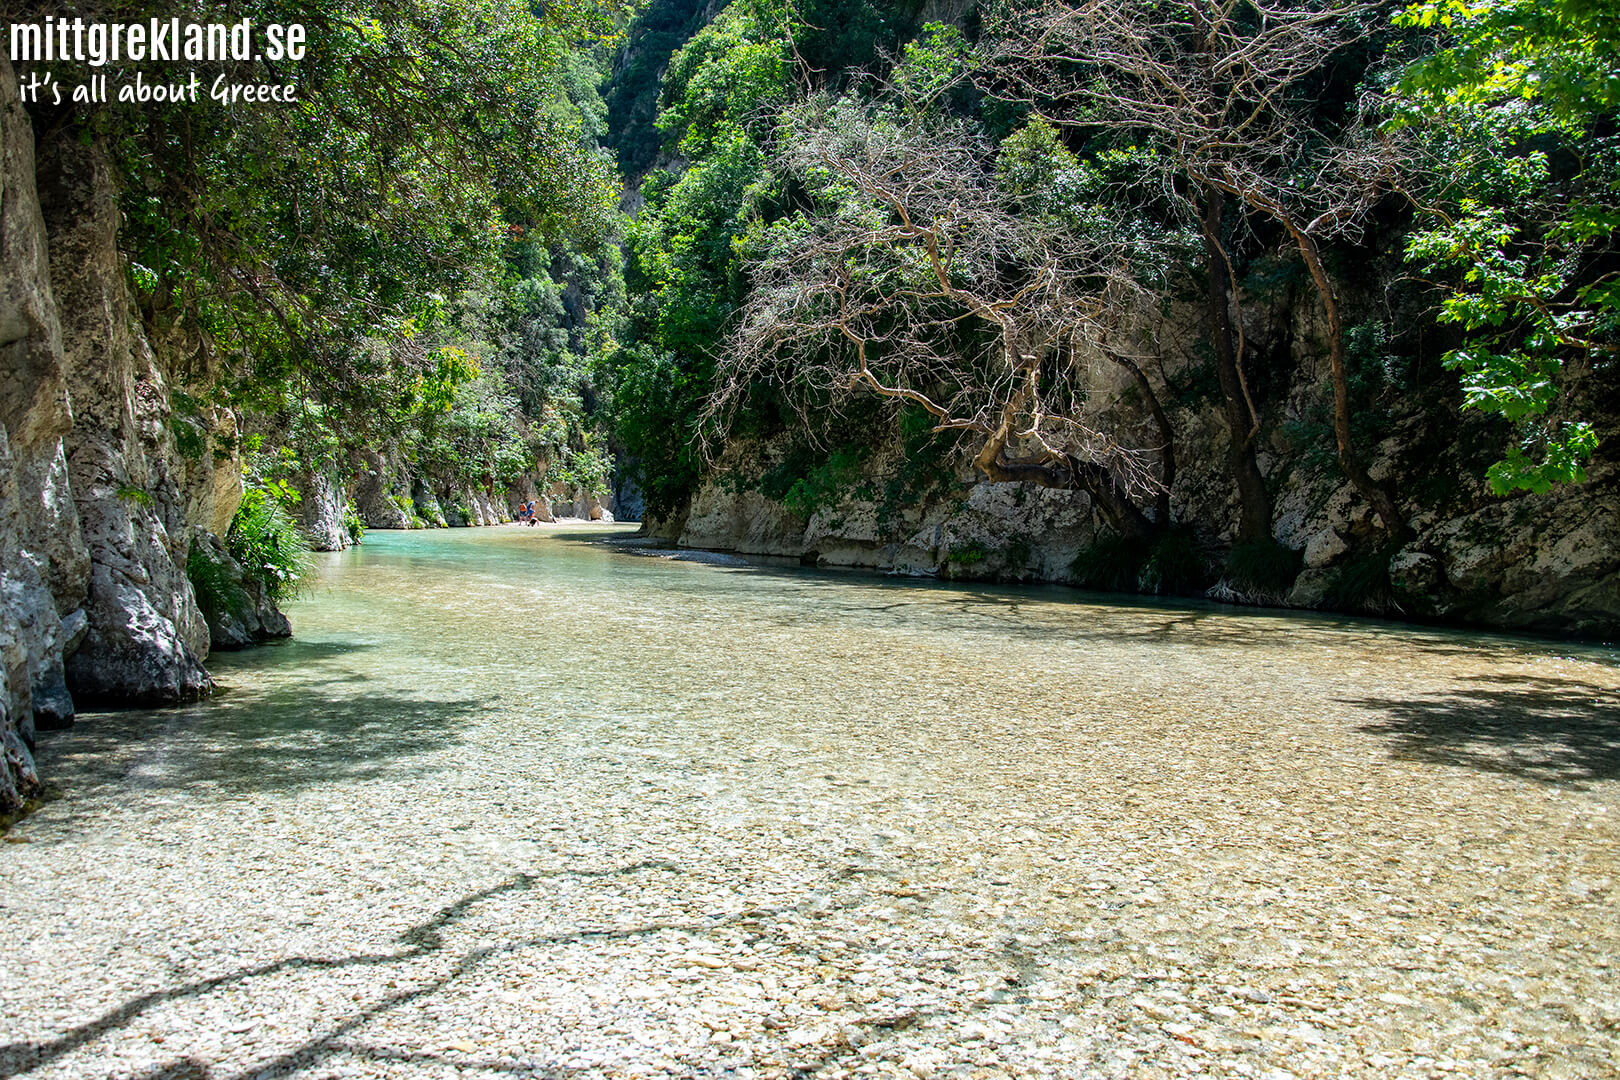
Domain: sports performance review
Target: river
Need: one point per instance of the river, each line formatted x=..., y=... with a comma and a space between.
x=520, y=802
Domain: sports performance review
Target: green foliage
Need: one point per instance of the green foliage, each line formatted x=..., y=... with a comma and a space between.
x=657, y=399
x=1169, y=565
x=131, y=494
x=187, y=426
x=1263, y=566
x=680, y=258
x=726, y=80
x=934, y=65
x=268, y=544
x=479, y=439
x=659, y=29
x=805, y=486
x=1361, y=582
x=684, y=252
x=1519, y=103
x=215, y=587
x=588, y=469
x=353, y=523
x=970, y=554
x=340, y=264
x=1173, y=566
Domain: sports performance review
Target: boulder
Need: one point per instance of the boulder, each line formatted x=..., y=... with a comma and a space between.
x=239, y=614
x=381, y=492
x=1324, y=548
x=321, y=503
x=1416, y=572
x=426, y=505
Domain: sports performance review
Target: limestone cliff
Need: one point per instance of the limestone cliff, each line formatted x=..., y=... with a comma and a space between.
x=106, y=488
x=146, y=638
x=388, y=495
x=323, y=499
x=1545, y=562
x=381, y=490
x=43, y=562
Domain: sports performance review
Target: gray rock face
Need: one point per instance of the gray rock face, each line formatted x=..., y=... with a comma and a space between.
x=381, y=492
x=211, y=482
x=321, y=503
x=1548, y=563
x=628, y=502
x=25, y=610
x=426, y=504
x=44, y=566
x=575, y=502
x=969, y=531
x=146, y=638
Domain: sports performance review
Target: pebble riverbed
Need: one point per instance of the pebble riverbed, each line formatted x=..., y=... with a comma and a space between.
x=514, y=804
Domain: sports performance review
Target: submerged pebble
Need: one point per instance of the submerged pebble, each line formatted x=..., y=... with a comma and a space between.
x=512, y=805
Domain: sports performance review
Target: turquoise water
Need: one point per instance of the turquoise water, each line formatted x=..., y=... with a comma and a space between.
x=491, y=804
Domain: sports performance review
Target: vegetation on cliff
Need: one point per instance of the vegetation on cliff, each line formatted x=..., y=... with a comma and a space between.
x=851, y=224
x=969, y=219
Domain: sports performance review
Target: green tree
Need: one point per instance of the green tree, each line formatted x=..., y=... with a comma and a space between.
x=314, y=250
x=1522, y=203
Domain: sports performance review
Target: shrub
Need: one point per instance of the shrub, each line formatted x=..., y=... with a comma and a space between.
x=1111, y=565
x=969, y=554
x=212, y=582
x=804, y=487
x=270, y=546
x=1362, y=582
x=1168, y=565
x=353, y=523
x=1173, y=565
x=1263, y=566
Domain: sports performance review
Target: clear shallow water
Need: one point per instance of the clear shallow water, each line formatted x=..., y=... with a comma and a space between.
x=1136, y=812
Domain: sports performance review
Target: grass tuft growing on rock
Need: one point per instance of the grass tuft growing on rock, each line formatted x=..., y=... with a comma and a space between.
x=1263, y=566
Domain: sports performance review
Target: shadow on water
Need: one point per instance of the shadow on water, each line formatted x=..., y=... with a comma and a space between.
x=329, y=725
x=424, y=941
x=1544, y=729
x=425, y=962
x=419, y=941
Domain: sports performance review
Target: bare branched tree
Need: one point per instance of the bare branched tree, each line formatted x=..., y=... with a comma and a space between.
x=1227, y=91
x=915, y=277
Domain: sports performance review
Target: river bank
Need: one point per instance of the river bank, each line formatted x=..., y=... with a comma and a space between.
x=514, y=803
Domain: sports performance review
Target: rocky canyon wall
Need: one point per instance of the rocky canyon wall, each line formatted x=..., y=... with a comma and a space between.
x=99, y=506
x=44, y=567
x=146, y=639
x=1547, y=562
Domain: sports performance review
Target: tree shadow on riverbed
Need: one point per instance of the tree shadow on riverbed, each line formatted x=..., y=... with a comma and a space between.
x=422, y=943
x=316, y=733
x=419, y=941
x=1548, y=730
